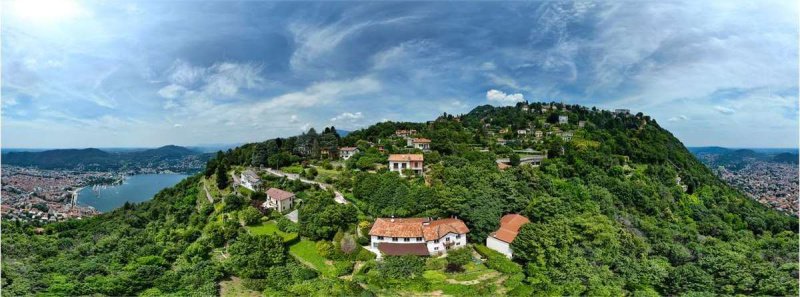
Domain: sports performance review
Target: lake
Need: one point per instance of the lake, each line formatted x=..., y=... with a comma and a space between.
x=136, y=188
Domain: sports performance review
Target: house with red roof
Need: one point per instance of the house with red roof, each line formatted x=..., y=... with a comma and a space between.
x=347, y=152
x=417, y=236
x=279, y=200
x=400, y=162
x=501, y=239
x=419, y=143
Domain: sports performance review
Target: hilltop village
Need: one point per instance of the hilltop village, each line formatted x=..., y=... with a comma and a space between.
x=531, y=199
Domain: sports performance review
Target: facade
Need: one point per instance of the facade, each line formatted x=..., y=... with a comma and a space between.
x=279, y=200
x=563, y=119
x=417, y=236
x=250, y=180
x=347, y=152
x=581, y=124
x=419, y=143
x=566, y=136
x=405, y=133
x=538, y=134
x=400, y=162
x=522, y=132
x=501, y=239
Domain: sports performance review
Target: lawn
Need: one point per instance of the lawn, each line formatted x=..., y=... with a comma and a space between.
x=306, y=252
x=234, y=287
x=323, y=173
x=270, y=227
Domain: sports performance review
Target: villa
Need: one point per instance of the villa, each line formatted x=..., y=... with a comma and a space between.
x=563, y=119
x=400, y=162
x=250, y=180
x=279, y=200
x=417, y=236
x=419, y=143
x=347, y=152
x=501, y=239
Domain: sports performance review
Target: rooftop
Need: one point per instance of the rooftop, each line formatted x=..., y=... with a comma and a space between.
x=417, y=227
x=509, y=227
x=279, y=194
x=405, y=157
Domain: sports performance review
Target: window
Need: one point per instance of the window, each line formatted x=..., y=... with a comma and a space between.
x=447, y=239
x=458, y=236
x=395, y=165
x=436, y=248
x=380, y=237
x=419, y=238
x=404, y=165
x=394, y=238
x=436, y=241
x=458, y=243
x=406, y=239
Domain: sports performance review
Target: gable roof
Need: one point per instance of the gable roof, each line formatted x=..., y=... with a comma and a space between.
x=348, y=148
x=279, y=194
x=509, y=227
x=405, y=157
x=420, y=140
x=417, y=227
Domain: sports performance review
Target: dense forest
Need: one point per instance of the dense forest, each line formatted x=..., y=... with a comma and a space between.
x=620, y=208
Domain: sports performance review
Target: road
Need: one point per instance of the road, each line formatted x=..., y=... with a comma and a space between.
x=337, y=195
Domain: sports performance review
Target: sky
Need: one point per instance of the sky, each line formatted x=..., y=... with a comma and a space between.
x=144, y=74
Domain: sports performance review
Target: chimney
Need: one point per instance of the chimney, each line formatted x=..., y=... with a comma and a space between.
x=392, y=220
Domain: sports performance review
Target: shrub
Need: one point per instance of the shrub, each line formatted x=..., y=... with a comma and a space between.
x=498, y=261
x=325, y=248
x=286, y=225
x=401, y=266
x=363, y=240
x=250, y=216
x=255, y=284
x=459, y=257
x=452, y=267
x=435, y=263
x=343, y=268
x=348, y=245
x=364, y=255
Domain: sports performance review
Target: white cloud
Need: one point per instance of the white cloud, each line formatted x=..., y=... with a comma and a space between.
x=724, y=110
x=185, y=74
x=293, y=119
x=503, y=98
x=177, y=125
x=227, y=78
x=172, y=91
x=349, y=116
x=678, y=118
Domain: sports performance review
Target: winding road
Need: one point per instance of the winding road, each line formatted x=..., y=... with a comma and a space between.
x=337, y=195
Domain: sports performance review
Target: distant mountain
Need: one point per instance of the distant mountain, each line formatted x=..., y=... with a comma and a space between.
x=789, y=158
x=170, y=157
x=342, y=133
x=709, y=150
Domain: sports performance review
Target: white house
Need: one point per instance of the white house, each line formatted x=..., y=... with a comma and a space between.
x=278, y=199
x=522, y=132
x=501, y=239
x=249, y=179
x=562, y=119
x=400, y=162
x=417, y=236
x=566, y=136
x=419, y=143
x=347, y=152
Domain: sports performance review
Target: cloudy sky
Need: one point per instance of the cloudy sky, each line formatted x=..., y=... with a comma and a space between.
x=109, y=74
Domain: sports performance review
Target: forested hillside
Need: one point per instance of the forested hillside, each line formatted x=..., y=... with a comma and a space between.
x=618, y=207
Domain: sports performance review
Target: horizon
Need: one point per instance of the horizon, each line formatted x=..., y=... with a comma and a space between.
x=96, y=74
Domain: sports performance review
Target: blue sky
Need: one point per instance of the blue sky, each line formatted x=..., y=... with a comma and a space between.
x=114, y=74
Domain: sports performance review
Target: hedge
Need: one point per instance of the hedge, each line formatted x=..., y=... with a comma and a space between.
x=498, y=261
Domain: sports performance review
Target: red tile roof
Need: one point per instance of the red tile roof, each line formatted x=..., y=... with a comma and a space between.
x=416, y=227
x=400, y=249
x=509, y=227
x=405, y=157
x=420, y=140
x=279, y=194
x=347, y=148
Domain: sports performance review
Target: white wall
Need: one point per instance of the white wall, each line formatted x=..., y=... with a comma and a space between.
x=499, y=245
x=433, y=247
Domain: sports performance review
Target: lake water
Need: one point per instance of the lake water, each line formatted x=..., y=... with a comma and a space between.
x=136, y=188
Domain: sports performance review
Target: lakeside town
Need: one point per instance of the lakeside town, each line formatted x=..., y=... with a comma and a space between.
x=773, y=184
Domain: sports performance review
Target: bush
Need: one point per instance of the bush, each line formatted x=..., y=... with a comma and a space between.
x=364, y=255
x=343, y=268
x=435, y=263
x=362, y=241
x=255, y=284
x=401, y=266
x=250, y=216
x=498, y=261
x=325, y=249
x=285, y=225
x=452, y=267
x=459, y=257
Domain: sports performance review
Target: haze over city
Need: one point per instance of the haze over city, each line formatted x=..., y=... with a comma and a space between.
x=99, y=74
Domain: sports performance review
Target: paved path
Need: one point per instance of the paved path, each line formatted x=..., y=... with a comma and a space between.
x=337, y=195
x=292, y=216
x=208, y=195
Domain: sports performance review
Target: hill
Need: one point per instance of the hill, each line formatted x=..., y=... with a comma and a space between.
x=170, y=157
x=618, y=207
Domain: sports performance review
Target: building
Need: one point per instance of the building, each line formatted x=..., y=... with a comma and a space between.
x=400, y=162
x=250, y=180
x=347, y=152
x=566, y=136
x=562, y=119
x=501, y=239
x=581, y=124
x=522, y=132
x=279, y=200
x=501, y=141
x=622, y=111
x=538, y=134
x=405, y=133
x=417, y=236
x=419, y=143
